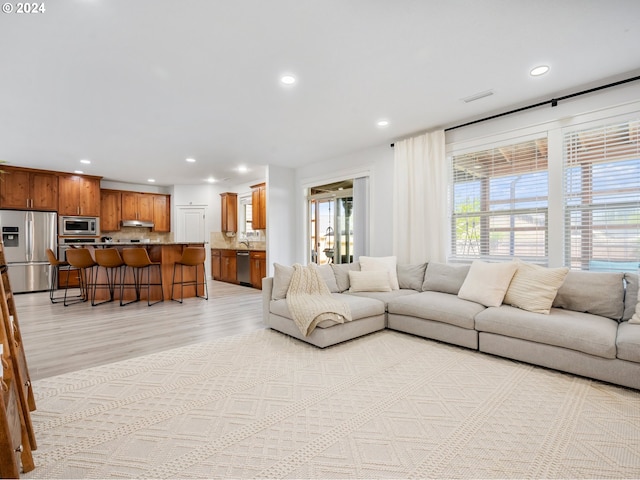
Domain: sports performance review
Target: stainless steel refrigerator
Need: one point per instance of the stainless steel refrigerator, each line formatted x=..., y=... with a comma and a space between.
x=26, y=237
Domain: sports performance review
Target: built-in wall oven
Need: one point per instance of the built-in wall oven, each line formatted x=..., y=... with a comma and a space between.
x=79, y=226
x=65, y=243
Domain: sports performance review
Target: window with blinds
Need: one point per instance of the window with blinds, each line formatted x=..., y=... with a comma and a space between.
x=500, y=200
x=602, y=197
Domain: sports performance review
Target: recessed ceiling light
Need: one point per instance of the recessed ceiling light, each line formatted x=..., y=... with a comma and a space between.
x=191, y=160
x=243, y=169
x=288, y=79
x=87, y=162
x=539, y=70
x=211, y=180
x=151, y=180
x=383, y=123
x=78, y=171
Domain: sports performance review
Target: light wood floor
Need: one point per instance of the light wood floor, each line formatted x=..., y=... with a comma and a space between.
x=59, y=339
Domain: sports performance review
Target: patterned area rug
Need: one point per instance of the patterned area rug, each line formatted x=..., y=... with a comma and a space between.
x=388, y=405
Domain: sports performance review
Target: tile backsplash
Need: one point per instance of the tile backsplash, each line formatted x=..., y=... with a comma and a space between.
x=220, y=240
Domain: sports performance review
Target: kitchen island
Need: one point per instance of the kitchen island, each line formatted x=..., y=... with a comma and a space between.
x=165, y=253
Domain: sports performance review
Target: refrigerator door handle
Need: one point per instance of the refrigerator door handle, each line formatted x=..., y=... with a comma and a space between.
x=29, y=234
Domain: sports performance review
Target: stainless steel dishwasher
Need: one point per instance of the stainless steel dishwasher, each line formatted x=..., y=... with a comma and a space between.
x=243, y=268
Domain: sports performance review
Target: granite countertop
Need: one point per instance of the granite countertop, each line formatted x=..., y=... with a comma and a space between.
x=138, y=244
x=241, y=249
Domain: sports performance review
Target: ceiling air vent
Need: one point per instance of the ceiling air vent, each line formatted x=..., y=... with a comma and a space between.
x=477, y=96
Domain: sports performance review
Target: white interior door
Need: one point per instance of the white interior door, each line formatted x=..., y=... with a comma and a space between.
x=191, y=224
x=191, y=228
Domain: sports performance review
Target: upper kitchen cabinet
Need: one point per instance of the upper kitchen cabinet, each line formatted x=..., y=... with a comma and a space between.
x=110, y=210
x=137, y=206
x=26, y=189
x=229, y=212
x=162, y=213
x=79, y=195
x=259, y=206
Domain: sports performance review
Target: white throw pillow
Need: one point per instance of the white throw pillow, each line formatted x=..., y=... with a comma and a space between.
x=487, y=283
x=281, y=279
x=368, y=264
x=373, y=281
x=534, y=287
x=636, y=316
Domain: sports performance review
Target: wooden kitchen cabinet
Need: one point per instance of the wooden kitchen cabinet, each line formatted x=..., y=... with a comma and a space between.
x=137, y=206
x=110, y=210
x=229, y=212
x=228, y=266
x=258, y=268
x=259, y=206
x=215, y=263
x=162, y=213
x=79, y=195
x=26, y=189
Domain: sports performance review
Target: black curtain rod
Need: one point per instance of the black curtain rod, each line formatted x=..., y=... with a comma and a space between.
x=553, y=102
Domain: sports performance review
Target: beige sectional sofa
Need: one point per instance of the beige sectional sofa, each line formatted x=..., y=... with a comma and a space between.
x=585, y=332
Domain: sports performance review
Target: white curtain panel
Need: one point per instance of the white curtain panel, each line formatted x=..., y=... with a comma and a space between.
x=420, y=220
x=360, y=217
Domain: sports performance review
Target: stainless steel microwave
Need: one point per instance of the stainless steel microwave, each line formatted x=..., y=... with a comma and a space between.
x=89, y=226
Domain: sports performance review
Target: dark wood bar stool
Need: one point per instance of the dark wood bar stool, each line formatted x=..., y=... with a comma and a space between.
x=191, y=257
x=83, y=262
x=137, y=259
x=111, y=261
x=56, y=266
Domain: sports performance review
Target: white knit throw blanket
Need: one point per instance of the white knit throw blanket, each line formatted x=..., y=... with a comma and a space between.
x=310, y=301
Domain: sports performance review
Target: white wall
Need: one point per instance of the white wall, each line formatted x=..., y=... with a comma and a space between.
x=281, y=217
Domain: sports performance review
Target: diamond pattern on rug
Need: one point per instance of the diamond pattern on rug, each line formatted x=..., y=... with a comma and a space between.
x=387, y=405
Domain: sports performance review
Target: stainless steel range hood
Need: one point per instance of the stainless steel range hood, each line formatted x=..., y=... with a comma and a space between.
x=137, y=223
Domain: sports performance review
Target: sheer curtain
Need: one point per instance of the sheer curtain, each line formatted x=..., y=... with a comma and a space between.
x=420, y=219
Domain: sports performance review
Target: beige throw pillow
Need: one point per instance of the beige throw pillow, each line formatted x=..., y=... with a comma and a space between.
x=374, y=281
x=534, y=287
x=368, y=264
x=487, y=283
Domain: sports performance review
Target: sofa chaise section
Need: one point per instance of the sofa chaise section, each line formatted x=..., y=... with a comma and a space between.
x=368, y=316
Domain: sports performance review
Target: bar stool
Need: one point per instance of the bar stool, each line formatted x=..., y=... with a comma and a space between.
x=191, y=257
x=56, y=266
x=83, y=262
x=111, y=261
x=137, y=259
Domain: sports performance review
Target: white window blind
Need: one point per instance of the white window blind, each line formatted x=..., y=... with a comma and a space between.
x=499, y=202
x=602, y=197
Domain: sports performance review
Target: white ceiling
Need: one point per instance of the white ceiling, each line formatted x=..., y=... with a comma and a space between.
x=137, y=86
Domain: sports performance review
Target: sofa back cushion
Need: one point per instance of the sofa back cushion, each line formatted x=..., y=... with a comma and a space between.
x=598, y=293
x=281, y=279
x=341, y=272
x=411, y=276
x=631, y=299
x=441, y=277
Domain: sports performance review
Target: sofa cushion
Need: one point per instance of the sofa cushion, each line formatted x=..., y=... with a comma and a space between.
x=583, y=332
x=411, y=275
x=534, y=287
x=631, y=297
x=437, y=306
x=628, y=342
x=341, y=272
x=487, y=283
x=361, y=307
x=385, y=297
x=599, y=293
x=441, y=277
x=374, y=281
x=389, y=264
x=281, y=279
x=326, y=272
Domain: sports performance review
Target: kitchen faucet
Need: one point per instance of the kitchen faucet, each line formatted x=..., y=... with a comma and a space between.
x=247, y=243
